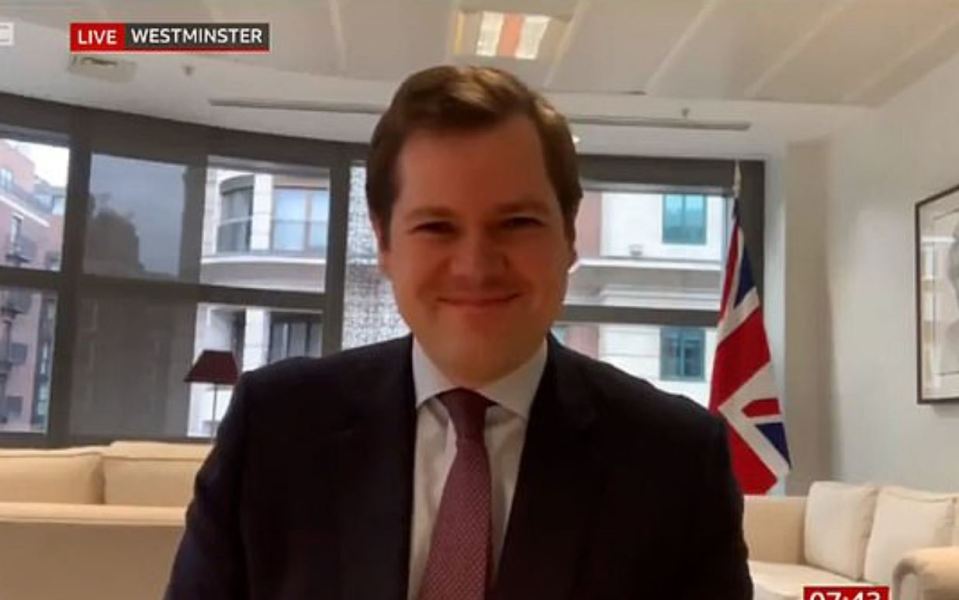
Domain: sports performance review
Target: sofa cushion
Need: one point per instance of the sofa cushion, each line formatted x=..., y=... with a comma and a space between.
x=781, y=581
x=151, y=473
x=71, y=475
x=837, y=524
x=906, y=520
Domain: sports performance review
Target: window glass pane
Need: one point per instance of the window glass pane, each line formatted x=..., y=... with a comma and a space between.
x=318, y=231
x=288, y=235
x=138, y=211
x=641, y=350
x=320, y=205
x=26, y=358
x=319, y=215
x=672, y=212
x=669, y=354
x=237, y=203
x=370, y=314
x=682, y=351
x=165, y=221
x=289, y=204
x=128, y=385
x=33, y=180
x=623, y=259
x=297, y=345
x=269, y=248
x=294, y=218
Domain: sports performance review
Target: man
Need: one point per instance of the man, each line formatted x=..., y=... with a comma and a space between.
x=478, y=457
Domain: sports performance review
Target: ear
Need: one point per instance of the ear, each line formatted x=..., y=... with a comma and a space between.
x=382, y=246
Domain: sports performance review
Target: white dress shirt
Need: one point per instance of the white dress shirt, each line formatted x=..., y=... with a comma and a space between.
x=505, y=433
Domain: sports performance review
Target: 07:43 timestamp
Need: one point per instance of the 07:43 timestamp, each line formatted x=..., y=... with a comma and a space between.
x=824, y=592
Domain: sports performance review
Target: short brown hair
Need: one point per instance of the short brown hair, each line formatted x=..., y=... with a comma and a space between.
x=464, y=98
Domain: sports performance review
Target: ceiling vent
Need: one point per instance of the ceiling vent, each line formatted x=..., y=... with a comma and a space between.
x=102, y=68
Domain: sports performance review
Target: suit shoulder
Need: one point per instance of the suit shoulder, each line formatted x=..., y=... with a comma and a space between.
x=364, y=360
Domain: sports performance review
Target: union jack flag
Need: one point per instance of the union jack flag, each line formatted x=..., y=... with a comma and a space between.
x=743, y=390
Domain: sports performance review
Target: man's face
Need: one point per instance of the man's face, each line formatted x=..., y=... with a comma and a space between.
x=477, y=251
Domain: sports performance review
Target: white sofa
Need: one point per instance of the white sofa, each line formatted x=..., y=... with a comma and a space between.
x=843, y=534
x=103, y=523
x=93, y=523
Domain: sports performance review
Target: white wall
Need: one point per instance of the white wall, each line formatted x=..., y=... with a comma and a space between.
x=849, y=306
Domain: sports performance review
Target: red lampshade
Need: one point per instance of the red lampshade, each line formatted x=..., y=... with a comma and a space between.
x=214, y=366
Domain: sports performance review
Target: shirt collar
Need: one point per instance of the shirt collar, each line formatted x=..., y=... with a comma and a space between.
x=514, y=391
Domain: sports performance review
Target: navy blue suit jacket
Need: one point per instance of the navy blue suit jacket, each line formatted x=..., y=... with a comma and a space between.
x=623, y=491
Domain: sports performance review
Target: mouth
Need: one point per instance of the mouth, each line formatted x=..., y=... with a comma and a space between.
x=479, y=301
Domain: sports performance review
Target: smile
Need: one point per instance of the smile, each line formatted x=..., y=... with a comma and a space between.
x=479, y=302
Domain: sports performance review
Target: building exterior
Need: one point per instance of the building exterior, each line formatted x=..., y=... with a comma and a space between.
x=31, y=233
x=649, y=250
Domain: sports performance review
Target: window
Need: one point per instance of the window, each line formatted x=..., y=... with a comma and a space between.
x=684, y=219
x=294, y=335
x=137, y=211
x=300, y=219
x=43, y=366
x=35, y=227
x=16, y=226
x=199, y=238
x=682, y=354
x=11, y=410
x=560, y=332
x=271, y=229
x=28, y=329
x=236, y=211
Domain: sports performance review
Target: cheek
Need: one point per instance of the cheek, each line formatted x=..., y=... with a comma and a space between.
x=544, y=271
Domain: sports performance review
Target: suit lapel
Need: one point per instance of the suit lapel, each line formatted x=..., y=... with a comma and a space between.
x=557, y=483
x=375, y=481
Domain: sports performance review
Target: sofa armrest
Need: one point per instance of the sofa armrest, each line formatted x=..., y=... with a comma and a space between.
x=86, y=551
x=928, y=574
x=773, y=528
x=92, y=514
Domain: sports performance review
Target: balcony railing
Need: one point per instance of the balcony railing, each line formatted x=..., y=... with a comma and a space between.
x=21, y=251
x=16, y=301
x=21, y=195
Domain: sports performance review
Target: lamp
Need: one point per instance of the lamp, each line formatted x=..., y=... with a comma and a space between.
x=217, y=367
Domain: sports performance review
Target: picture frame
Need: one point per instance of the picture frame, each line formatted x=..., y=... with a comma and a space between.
x=937, y=297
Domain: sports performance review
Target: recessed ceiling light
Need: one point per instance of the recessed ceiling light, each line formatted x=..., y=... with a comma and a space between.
x=576, y=139
x=518, y=36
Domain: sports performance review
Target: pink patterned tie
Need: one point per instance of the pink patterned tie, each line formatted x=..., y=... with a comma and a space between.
x=459, y=561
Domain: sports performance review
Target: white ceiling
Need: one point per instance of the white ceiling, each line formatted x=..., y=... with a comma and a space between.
x=795, y=69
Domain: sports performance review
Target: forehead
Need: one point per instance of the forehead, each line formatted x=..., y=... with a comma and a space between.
x=501, y=163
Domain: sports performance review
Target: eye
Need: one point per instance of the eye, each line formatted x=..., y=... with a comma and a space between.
x=521, y=222
x=436, y=227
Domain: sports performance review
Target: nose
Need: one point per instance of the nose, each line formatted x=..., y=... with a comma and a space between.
x=477, y=257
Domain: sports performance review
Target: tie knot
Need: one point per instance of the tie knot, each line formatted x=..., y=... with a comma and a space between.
x=467, y=410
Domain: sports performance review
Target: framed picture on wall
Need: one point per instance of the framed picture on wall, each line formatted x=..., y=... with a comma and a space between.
x=937, y=297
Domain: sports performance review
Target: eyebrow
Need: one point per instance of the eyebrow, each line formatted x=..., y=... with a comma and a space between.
x=441, y=212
